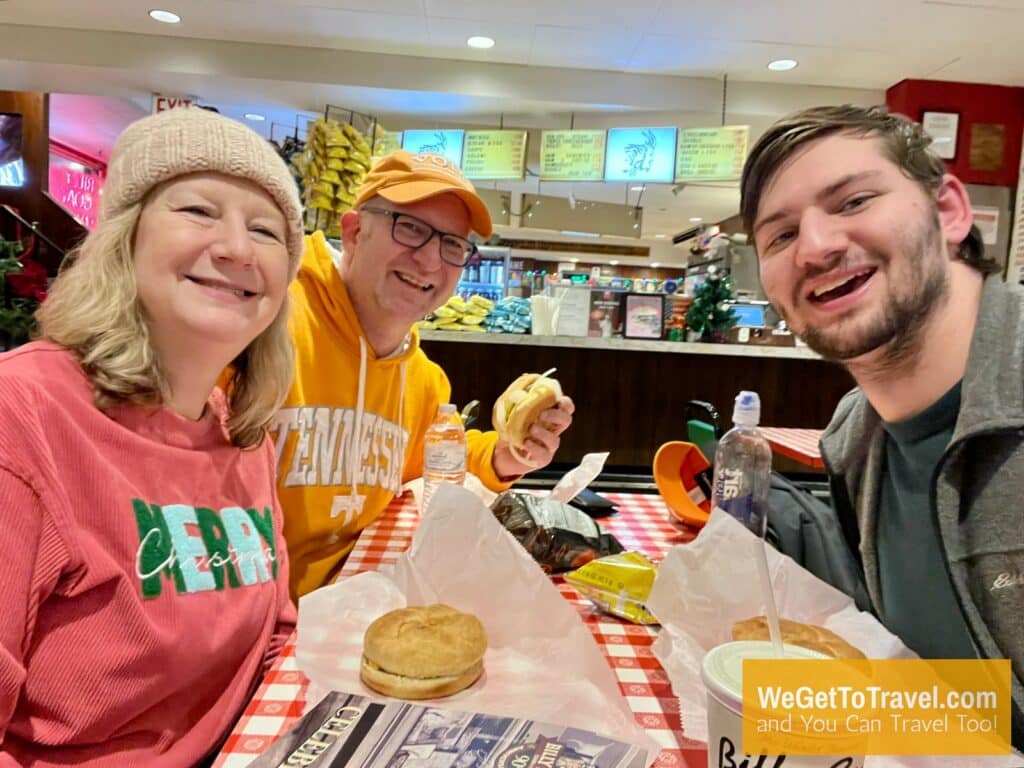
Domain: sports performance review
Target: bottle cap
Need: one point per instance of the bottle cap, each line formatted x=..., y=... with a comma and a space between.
x=450, y=408
x=747, y=410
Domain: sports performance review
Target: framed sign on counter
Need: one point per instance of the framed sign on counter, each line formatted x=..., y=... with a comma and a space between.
x=645, y=316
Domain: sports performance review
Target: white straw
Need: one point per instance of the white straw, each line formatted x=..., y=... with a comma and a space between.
x=768, y=595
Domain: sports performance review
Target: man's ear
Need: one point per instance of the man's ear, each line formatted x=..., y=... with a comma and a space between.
x=955, y=215
x=350, y=228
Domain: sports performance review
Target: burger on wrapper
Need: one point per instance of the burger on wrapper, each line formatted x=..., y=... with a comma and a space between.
x=423, y=652
x=795, y=633
x=519, y=407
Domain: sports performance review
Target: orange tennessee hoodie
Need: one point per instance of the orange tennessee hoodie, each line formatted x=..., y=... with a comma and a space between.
x=352, y=428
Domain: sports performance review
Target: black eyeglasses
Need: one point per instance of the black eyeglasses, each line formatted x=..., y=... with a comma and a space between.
x=415, y=233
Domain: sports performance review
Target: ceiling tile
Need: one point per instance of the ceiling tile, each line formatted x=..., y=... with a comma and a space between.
x=606, y=48
x=398, y=7
x=512, y=41
x=585, y=14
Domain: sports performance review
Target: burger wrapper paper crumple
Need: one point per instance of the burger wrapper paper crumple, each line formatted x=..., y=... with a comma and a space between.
x=541, y=663
x=704, y=587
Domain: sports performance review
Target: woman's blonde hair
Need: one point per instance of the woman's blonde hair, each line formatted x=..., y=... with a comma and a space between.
x=93, y=309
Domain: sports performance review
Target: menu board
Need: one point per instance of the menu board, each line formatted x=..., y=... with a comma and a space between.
x=572, y=155
x=712, y=154
x=494, y=155
x=441, y=142
x=640, y=154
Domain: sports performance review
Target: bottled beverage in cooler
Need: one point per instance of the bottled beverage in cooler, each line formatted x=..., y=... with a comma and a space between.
x=444, y=452
x=743, y=466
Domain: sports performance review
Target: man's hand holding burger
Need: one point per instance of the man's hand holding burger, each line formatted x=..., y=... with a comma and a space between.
x=529, y=417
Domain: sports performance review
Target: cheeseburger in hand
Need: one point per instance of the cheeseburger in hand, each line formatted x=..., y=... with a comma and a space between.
x=424, y=652
x=519, y=407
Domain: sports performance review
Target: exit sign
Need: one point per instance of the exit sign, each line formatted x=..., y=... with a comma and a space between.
x=162, y=103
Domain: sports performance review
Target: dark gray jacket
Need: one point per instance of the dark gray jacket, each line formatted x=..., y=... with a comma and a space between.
x=977, y=490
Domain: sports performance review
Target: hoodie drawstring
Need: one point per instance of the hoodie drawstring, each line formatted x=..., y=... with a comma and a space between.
x=357, y=449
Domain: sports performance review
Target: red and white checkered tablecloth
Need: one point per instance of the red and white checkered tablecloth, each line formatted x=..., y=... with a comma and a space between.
x=798, y=444
x=642, y=524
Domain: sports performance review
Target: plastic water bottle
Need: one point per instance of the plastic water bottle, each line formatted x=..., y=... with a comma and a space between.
x=444, y=452
x=743, y=466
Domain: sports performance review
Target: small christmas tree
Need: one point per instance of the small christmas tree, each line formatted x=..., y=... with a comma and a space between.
x=708, y=315
x=23, y=285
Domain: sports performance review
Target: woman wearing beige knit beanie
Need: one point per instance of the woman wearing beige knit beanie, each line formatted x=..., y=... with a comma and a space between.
x=145, y=575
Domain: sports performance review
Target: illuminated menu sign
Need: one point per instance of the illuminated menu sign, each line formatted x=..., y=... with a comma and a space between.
x=640, y=155
x=712, y=154
x=441, y=142
x=572, y=155
x=494, y=155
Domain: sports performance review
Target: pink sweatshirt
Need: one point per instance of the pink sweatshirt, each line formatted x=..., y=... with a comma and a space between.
x=143, y=576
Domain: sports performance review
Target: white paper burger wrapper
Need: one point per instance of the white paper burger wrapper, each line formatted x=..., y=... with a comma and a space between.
x=571, y=483
x=542, y=663
x=707, y=585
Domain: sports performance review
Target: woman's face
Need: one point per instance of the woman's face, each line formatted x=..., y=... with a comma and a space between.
x=211, y=261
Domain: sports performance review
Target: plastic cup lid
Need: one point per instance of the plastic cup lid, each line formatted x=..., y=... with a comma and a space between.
x=722, y=669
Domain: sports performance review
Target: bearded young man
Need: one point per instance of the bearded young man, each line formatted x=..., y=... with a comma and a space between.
x=867, y=249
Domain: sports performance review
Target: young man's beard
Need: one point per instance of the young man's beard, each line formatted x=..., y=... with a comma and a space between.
x=907, y=308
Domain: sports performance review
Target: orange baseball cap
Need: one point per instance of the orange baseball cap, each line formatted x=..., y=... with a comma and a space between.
x=676, y=466
x=403, y=177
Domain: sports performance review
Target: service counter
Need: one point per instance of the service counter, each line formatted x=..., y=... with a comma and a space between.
x=630, y=395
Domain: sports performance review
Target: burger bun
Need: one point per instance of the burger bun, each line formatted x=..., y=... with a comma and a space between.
x=423, y=652
x=808, y=636
x=519, y=407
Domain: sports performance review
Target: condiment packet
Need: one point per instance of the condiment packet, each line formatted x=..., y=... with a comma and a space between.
x=619, y=584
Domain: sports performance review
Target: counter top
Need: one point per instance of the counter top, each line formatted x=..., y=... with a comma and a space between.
x=627, y=345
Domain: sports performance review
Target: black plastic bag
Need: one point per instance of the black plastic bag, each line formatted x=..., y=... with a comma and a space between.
x=558, y=536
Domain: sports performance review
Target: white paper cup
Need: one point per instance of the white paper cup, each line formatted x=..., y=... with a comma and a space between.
x=722, y=672
x=543, y=315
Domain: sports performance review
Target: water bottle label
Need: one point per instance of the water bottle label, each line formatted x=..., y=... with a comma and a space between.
x=732, y=497
x=444, y=458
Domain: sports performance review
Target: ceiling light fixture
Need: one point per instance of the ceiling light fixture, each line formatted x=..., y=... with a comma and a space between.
x=480, y=41
x=695, y=219
x=655, y=264
x=575, y=261
x=165, y=17
x=614, y=262
x=256, y=117
x=782, y=65
x=661, y=236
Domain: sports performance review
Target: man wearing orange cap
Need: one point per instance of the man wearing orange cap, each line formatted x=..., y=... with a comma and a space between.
x=360, y=369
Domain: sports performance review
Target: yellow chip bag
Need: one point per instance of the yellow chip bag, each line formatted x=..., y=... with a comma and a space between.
x=619, y=584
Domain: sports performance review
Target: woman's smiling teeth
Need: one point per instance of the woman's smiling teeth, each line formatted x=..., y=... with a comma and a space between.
x=410, y=280
x=219, y=286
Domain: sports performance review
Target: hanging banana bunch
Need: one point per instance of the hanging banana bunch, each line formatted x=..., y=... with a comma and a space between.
x=336, y=159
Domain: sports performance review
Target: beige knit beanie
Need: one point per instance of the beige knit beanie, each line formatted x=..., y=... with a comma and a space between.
x=160, y=147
